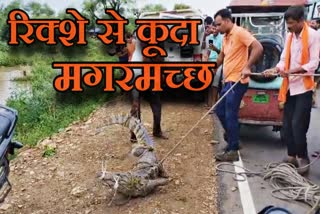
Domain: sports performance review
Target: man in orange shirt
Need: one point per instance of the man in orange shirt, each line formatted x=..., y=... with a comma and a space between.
x=236, y=66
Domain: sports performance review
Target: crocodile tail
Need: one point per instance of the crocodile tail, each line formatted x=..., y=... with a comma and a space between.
x=134, y=125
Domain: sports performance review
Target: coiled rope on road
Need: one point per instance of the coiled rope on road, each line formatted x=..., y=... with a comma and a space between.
x=287, y=183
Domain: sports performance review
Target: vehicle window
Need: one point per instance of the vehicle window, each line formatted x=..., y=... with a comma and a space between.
x=263, y=21
x=266, y=25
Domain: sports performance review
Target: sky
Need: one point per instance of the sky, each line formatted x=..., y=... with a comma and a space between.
x=208, y=7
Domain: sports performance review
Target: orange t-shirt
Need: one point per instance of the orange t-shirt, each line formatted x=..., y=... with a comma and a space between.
x=236, y=53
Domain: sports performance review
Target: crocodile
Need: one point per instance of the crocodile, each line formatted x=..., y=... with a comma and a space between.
x=147, y=174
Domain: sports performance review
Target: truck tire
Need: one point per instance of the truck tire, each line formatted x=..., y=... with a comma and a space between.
x=271, y=56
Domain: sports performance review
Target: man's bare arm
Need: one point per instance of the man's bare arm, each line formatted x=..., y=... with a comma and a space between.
x=214, y=48
x=220, y=59
x=256, y=51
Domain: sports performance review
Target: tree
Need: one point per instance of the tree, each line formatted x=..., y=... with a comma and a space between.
x=181, y=6
x=136, y=12
x=117, y=5
x=89, y=11
x=47, y=10
x=4, y=11
x=96, y=8
x=36, y=10
x=13, y=5
x=153, y=8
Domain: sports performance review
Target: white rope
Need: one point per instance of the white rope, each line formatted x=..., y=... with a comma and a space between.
x=278, y=75
x=207, y=113
x=115, y=178
x=115, y=187
x=103, y=169
x=288, y=184
x=116, y=184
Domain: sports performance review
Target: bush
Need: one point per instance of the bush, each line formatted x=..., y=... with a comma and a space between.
x=9, y=60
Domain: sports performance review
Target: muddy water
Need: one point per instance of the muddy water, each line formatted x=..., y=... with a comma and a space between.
x=7, y=84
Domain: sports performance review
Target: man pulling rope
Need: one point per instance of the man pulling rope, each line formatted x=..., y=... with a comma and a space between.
x=236, y=62
x=300, y=56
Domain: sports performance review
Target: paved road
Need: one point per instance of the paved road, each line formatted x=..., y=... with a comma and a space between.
x=260, y=146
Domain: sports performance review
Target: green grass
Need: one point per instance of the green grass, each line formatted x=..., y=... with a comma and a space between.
x=39, y=119
x=49, y=152
x=9, y=60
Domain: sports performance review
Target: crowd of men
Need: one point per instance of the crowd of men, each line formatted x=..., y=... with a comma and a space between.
x=235, y=50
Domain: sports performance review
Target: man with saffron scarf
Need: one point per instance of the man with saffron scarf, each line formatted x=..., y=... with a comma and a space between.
x=300, y=56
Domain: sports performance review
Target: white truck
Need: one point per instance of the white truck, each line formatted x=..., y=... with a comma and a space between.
x=175, y=52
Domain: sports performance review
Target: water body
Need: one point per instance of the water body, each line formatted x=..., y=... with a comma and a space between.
x=7, y=84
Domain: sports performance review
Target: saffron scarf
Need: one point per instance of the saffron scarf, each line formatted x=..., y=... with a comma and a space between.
x=307, y=80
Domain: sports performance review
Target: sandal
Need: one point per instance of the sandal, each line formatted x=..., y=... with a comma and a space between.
x=316, y=154
x=161, y=136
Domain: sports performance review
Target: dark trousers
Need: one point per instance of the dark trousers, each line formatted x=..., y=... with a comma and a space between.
x=228, y=112
x=124, y=58
x=296, y=120
x=154, y=100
